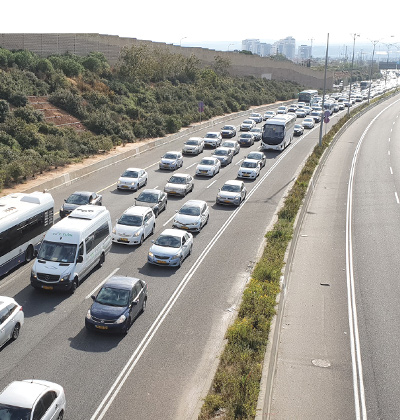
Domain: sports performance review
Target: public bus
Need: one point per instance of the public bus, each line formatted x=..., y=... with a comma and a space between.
x=306, y=96
x=365, y=84
x=329, y=106
x=278, y=132
x=24, y=218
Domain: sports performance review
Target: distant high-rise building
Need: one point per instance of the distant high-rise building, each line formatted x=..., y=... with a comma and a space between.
x=304, y=52
x=251, y=45
x=286, y=47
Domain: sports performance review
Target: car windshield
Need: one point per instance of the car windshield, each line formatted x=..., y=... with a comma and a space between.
x=207, y=162
x=228, y=144
x=192, y=142
x=253, y=155
x=245, y=136
x=177, y=180
x=211, y=136
x=256, y=130
x=231, y=188
x=298, y=126
x=273, y=131
x=227, y=127
x=190, y=210
x=57, y=252
x=248, y=122
x=170, y=156
x=130, y=174
x=221, y=152
x=130, y=220
x=169, y=241
x=77, y=199
x=10, y=412
x=246, y=164
x=113, y=297
x=148, y=197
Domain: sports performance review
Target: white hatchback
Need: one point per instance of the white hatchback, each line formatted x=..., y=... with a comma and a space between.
x=192, y=216
x=249, y=169
x=132, y=179
x=208, y=166
x=134, y=226
x=11, y=320
x=32, y=399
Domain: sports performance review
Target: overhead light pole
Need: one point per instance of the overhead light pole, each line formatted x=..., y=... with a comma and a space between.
x=370, y=68
x=180, y=42
x=324, y=92
x=351, y=72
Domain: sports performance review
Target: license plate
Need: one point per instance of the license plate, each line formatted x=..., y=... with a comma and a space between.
x=101, y=327
x=124, y=186
x=184, y=227
x=161, y=262
x=246, y=175
x=123, y=240
x=203, y=172
x=47, y=287
x=226, y=201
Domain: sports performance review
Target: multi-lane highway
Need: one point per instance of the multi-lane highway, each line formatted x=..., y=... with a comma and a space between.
x=338, y=352
x=164, y=365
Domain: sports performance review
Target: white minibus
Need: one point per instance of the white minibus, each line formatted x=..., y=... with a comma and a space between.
x=71, y=248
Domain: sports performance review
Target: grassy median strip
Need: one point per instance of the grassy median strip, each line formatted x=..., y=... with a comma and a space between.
x=236, y=385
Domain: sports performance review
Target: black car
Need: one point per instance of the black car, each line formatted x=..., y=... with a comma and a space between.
x=156, y=199
x=80, y=198
x=298, y=129
x=117, y=305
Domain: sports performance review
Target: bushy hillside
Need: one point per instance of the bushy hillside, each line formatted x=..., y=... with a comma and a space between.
x=149, y=93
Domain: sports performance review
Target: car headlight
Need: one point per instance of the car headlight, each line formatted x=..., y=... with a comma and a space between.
x=65, y=277
x=114, y=231
x=121, y=319
x=176, y=257
x=151, y=255
x=88, y=315
x=138, y=233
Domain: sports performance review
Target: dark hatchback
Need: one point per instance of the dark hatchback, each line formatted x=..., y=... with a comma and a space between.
x=118, y=303
x=80, y=198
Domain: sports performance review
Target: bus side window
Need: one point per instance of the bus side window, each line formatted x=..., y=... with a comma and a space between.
x=80, y=252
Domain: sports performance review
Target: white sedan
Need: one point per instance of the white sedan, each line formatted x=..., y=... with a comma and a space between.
x=232, y=144
x=11, y=320
x=171, y=160
x=249, y=168
x=192, y=216
x=32, y=399
x=171, y=248
x=247, y=125
x=232, y=192
x=179, y=184
x=208, y=166
x=134, y=226
x=132, y=179
x=308, y=122
x=213, y=139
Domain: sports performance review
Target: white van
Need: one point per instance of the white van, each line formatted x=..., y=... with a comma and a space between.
x=71, y=248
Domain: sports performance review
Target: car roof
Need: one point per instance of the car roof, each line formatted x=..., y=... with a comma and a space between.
x=5, y=300
x=197, y=203
x=122, y=282
x=213, y=132
x=222, y=148
x=180, y=174
x=256, y=152
x=23, y=393
x=172, y=151
x=173, y=232
x=195, y=138
x=133, y=169
x=233, y=182
x=84, y=193
x=150, y=190
x=137, y=210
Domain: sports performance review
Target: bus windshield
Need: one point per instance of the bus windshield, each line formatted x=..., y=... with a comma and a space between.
x=273, y=134
x=57, y=252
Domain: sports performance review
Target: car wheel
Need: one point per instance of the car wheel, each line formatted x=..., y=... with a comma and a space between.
x=144, y=305
x=128, y=325
x=29, y=253
x=74, y=286
x=180, y=262
x=60, y=416
x=15, y=332
x=190, y=250
x=101, y=260
x=165, y=205
x=152, y=229
x=191, y=189
x=141, y=240
x=145, y=182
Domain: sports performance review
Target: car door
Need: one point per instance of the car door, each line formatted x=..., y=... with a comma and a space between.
x=5, y=332
x=147, y=224
x=136, y=303
x=203, y=215
x=46, y=407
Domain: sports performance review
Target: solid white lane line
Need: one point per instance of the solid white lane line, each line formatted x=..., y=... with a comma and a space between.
x=101, y=284
x=358, y=380
x=389, y=152
x=391, y=171
x=397, y=197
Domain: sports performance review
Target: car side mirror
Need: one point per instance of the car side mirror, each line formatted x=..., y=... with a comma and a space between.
x=79, y=259
x=93, y=297
x=35, y=253
x=153, y=241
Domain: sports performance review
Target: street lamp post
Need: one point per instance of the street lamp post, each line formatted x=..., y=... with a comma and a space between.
x=370, y=69
x=351, y=72
x=180, y=42
x=324, y=92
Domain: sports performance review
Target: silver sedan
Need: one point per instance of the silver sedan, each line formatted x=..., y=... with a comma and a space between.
x=192, y=216
x=179, y=184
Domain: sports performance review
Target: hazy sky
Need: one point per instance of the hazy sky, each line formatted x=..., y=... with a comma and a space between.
x=187, y=22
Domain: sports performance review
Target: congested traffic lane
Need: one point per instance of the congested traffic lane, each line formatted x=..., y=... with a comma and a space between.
x=54, y=344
